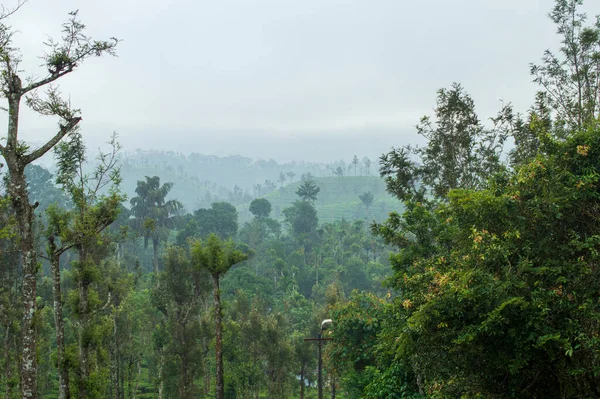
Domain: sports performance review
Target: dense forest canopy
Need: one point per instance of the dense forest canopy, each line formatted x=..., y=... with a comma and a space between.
x=467, y=268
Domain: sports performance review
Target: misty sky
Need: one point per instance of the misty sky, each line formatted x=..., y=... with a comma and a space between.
x=315, y=80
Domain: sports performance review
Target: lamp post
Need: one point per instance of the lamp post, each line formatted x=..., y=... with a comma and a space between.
x=324, y=324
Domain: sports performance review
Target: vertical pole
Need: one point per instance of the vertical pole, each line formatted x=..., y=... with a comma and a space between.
x=320, y=368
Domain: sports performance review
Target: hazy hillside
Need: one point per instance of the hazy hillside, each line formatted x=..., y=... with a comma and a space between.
x=200, y=180
x=338, y=199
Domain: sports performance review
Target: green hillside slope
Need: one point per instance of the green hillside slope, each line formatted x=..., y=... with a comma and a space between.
x=338, y=199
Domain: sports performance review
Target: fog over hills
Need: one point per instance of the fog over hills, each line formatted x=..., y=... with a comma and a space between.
x=317, y=146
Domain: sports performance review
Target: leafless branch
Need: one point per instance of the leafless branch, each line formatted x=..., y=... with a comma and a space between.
x=7, y=12
x=63, y=131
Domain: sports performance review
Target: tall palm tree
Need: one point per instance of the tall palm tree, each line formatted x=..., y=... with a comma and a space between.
x=154, y=215
x=217, y=256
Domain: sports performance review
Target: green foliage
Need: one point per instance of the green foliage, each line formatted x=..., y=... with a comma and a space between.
x=7, y=221
x=308, y=191
x=181, y=291
x=260, y=208
x=302, y=218
x=460, y=152
x=366, y=198
x=220, y=219
x=215, y=255
x=41, y=189
x=358, y=323
x=84, y=229
x=260, y=355
x=529, y=135
x=494, y=291
x=496, y=287
x=153, y=212
x=570, y=80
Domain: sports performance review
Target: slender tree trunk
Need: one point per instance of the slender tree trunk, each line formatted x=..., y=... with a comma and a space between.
x=302, y=382
x=7, y=364
x=155, y=255
x=161, y=380
x=28, y=358
x=184, y=389
x=84, y=326
x=220, y=384
x=17, y=190
x=116, y=361
x=137, y=378
x=130, y=378
x=333, y=383
x=63, y=372
x=206, y=387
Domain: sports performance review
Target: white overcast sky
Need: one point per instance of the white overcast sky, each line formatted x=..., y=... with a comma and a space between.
x=302, y=79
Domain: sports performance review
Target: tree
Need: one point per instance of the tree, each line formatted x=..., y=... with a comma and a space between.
x=63, y=57
x=308, y=191
x=81, y=228
x=220, y=219
x=281, y=179
x=11, y=309
x=41, y=188
x=493, y=283
x=302, y=218
x=179, y=297
x=358, y=322
x=460, y=153
x=305, y=358
x=367, y=200
x=269, y=186
x=154, y=215
x=528, y=134
x=291, y=175
x=355, y=162
x=306, y=176
x=571, y=80
x=260, y=208
x=217, y=257
x=367, y=162
x=258, y=189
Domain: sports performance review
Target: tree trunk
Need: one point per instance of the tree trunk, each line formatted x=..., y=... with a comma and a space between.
x=155, y=255
x=84, y=326
x=137, y=378
x=206, y=385
x=302, y=382
x=63, y=372
x=220, y=384
x=7, y=364
x=17, y=189
x=115, y=367
x=161, y=380
x=333, y=382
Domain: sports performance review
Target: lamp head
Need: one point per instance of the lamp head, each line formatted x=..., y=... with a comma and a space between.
x=325, y=323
